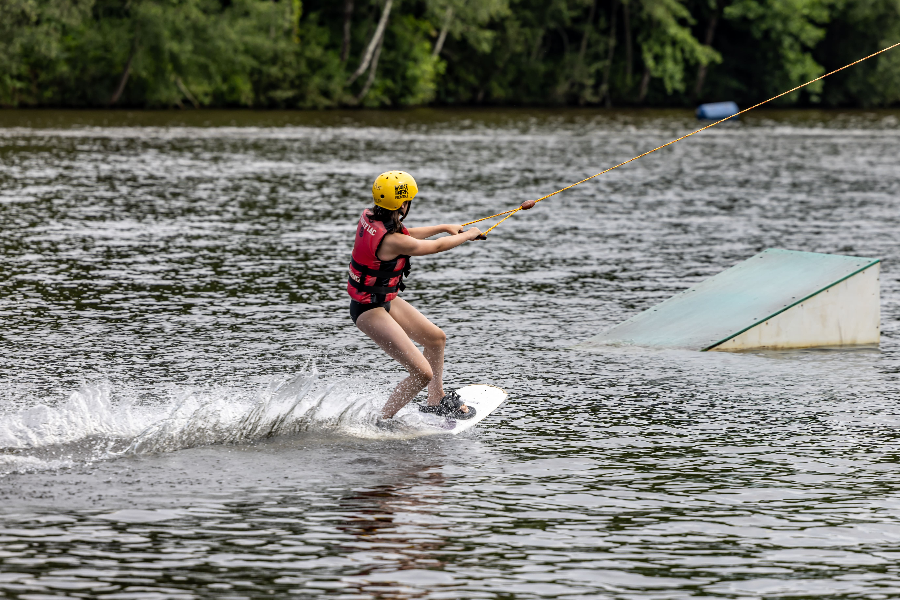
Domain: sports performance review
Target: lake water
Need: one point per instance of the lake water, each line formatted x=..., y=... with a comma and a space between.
x=186, y=408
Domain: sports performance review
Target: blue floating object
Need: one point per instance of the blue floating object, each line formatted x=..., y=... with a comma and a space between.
x=715, y=111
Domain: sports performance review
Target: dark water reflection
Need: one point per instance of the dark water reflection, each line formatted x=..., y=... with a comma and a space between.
x=163, y=273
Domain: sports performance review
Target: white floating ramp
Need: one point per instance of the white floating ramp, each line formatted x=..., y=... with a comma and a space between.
x=777, y=299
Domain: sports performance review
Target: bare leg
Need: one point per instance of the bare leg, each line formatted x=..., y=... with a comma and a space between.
x=384, y=331
x=435, y=358
x=433, y=340
x=394, y=332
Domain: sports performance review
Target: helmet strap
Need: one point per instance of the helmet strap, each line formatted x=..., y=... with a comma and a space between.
x=408, y=207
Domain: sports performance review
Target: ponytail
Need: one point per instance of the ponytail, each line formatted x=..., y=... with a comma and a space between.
x=392, y=219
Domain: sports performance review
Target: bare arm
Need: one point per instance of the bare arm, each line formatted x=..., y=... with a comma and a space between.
x=395, y=244
x=421, y=233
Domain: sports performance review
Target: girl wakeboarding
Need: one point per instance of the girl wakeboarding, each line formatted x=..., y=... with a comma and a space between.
x=380, y=260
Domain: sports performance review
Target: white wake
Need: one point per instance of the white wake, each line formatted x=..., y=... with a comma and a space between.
x=91, y=426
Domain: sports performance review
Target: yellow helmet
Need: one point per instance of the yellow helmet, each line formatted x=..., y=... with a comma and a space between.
x=393, y=188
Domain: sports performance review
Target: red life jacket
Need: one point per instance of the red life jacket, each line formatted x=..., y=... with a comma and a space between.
x=372, y=280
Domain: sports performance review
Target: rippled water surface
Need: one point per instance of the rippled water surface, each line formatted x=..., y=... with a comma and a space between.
x=186, y=408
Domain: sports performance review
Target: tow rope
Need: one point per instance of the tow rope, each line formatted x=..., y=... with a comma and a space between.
x=528, y=204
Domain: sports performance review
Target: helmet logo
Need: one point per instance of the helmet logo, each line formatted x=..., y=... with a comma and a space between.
x=401, y=191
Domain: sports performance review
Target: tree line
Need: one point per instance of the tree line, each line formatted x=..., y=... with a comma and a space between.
x=379, y=53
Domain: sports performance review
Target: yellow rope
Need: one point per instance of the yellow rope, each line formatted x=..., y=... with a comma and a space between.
x=510, y=213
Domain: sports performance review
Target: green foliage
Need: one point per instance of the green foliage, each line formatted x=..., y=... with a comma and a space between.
x=468, y=21
x=786, y=32
x=409, y=73
x=859, y=28
x=38, y=45
x=287, y=53
x=668, y=47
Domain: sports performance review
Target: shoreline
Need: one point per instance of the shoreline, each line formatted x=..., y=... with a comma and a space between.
x=51, y=118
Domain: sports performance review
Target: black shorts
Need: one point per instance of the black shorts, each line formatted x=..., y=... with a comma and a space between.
x=358, y=308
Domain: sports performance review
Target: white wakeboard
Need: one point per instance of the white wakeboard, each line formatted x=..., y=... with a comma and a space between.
x=483, y=398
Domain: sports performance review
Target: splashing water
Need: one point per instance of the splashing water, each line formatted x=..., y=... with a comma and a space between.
x=87, y=413
x=91, y=426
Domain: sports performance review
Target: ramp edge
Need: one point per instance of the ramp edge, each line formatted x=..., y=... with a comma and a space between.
x=788, y=307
